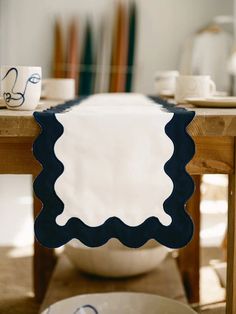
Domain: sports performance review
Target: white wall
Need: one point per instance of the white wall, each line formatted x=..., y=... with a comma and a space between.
x=16, y=212
x=27, y=33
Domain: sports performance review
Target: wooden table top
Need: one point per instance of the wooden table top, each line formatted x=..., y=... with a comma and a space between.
x=207, y=122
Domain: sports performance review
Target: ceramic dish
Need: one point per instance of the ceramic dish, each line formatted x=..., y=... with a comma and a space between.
x=117, y=303
x=167, y=94
x=213, y=102
x=114, y=259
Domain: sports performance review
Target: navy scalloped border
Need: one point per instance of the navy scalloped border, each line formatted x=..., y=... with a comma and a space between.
x=51, y=235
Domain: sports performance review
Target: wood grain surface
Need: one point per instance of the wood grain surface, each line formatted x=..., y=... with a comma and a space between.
x=44, y=261
x=58, y=60
x=119, y=50
x=213, y=155
x=207, y=122
x=189, y=256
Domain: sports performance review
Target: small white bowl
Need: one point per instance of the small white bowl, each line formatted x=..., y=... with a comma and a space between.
x=114, y=259
x=118, y=303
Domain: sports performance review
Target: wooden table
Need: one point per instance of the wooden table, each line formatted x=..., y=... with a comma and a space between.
x=214, y=132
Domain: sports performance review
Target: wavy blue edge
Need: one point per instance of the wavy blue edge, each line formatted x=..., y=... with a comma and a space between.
x=51, y=235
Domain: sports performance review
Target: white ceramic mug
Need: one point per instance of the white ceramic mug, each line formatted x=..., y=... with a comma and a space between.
x=197, y=86
x=21, y=86
x=165, y=82
x=58, y=88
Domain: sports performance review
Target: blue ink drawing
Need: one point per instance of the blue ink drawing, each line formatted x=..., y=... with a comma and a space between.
x=80, y=310
x=18, y=97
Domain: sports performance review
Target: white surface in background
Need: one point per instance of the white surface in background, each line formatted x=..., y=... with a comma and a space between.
x=213, y=234
x=214, y=207
x=27, y=30
x=213, y=222
x=213, y=179
x=16, y=215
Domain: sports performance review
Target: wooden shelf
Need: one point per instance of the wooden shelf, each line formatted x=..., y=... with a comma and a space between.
x=67, y=281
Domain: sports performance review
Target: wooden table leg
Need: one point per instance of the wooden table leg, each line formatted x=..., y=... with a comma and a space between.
x=231, y=248
x=43, y=263
x=189, y=257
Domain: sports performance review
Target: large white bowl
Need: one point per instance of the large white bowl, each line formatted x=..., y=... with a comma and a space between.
x=114, y=259
x=118, y=303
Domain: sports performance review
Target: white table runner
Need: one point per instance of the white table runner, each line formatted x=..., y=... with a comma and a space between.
x=112, y=151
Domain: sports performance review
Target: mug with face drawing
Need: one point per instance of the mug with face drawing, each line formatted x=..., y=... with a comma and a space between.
x=197, y=86
x=21, y=86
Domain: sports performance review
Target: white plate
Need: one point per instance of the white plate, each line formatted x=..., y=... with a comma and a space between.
x=213, y=102
x=118, y=303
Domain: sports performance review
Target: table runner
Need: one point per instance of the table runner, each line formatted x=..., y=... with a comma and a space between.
x=114, y=167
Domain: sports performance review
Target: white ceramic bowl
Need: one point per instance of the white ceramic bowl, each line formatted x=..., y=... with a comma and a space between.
x=118, y=303
x=114, y=259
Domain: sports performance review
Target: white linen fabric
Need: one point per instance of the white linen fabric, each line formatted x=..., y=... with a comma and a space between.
x=114, y=149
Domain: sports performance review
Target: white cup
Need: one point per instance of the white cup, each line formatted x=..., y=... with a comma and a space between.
x=165, y=82
x=21, y=86
x=58, y=88
x=194, y=86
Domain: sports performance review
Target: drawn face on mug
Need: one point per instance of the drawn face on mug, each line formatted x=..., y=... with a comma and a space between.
x=21, y=87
